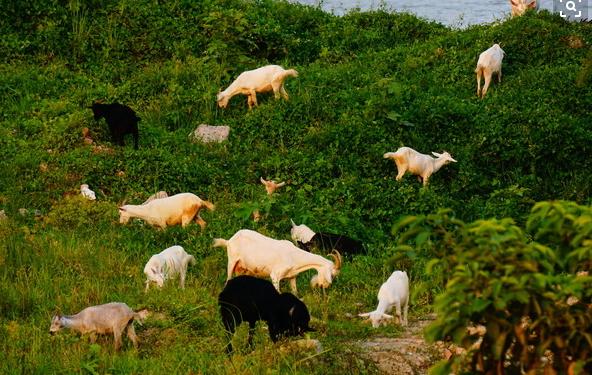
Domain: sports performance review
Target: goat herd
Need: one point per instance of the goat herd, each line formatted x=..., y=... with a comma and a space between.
x=248, y=297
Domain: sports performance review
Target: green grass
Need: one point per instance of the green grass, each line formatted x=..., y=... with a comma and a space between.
x=368, y=84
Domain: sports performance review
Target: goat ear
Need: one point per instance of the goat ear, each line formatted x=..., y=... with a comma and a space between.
x=436, y=154
x=364, y=315
x=121, y=209
x=291, y=312
x=387, y=316
x=514, y=3
x=532, y=4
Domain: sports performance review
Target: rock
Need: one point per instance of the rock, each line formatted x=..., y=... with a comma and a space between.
x=3, y=215
x=23, y=211
x=209, y=133
x=159, y=195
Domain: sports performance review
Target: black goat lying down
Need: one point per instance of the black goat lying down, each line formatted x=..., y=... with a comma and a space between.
x=249, y=299
x=326, y=242
x=121, y=120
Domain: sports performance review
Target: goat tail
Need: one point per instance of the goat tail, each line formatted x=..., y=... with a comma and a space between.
x=220, y=242
x=209, y=205
x=479, y=70
x=291, y=72
x=141, y=315
x=286, y=73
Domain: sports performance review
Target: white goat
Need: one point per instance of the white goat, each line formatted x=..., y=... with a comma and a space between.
x=111, y=317
x=490, y=61
x=264, y=79
x=394, y=292
x=87, y=193
x=422, y=165
x=166, y=265
x=254, y=254
x=521, y=6
x=271, y=185
x=177, y=209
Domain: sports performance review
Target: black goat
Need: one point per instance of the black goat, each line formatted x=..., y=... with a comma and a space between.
x=121, y=120
x=249, y=299
x=326, y=242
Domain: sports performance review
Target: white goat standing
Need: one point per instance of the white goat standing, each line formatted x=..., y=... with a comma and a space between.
x=177, y=209
x=393, y=293
x=422, y=165
x=109, y=318
x=490, y=61
x=166, y=265
x=87, y=193
x=271, y=185
x=264, y=79
x=521, y=6
x=257, y=255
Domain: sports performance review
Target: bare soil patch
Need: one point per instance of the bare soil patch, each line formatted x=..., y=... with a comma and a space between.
x=408, y=354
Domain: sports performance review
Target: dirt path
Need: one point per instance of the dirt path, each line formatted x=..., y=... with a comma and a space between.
x=408, y=354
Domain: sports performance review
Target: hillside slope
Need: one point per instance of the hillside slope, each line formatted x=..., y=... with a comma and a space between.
x=368, y=84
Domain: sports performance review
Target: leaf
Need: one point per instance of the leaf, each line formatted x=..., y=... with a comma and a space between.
x=442, y=367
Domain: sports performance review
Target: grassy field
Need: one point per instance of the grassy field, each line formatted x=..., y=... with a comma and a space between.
x=368, y=84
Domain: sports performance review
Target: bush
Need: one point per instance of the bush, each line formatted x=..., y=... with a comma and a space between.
x=525, y=292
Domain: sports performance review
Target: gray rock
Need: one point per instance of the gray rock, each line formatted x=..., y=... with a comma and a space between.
x=209, y=133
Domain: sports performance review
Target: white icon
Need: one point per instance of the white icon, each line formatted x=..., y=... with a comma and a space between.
x=571, y=6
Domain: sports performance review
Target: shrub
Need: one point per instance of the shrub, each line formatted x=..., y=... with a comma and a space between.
x=523, y=291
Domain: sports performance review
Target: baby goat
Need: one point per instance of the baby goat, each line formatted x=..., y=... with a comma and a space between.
x=112, y=317
x=167, y=264
x=490, y=61
x=87, y=193
x=394, y=292
x=249, y=299
x=271, y=185
x=422, y=165
x=249, y=83
x=307, y=239
x=121, y=120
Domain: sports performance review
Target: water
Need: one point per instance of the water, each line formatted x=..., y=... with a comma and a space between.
x=459, y=13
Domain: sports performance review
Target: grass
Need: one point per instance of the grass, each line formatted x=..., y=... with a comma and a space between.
x=369, y=83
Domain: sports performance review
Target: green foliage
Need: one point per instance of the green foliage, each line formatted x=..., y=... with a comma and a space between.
x=525, y=292
x=76, y=212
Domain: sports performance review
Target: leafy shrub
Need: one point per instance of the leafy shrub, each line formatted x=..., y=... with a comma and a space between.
x=524, y=291
x=78, y=213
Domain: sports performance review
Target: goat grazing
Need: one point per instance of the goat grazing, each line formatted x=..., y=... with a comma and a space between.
x=112, y=317
x=521, y=6
x=249, y=83
x=271, y=185
x=87, y=193
x=490, y=61
x=167, y=264
x=177, y=209
x=422, y=165
x=249, y=299
x=307, y=239
x=254, y=254
x=394, y=292
x=121, y=120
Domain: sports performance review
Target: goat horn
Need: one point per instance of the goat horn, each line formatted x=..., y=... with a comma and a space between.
x=335, y=255
x=293, y=223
